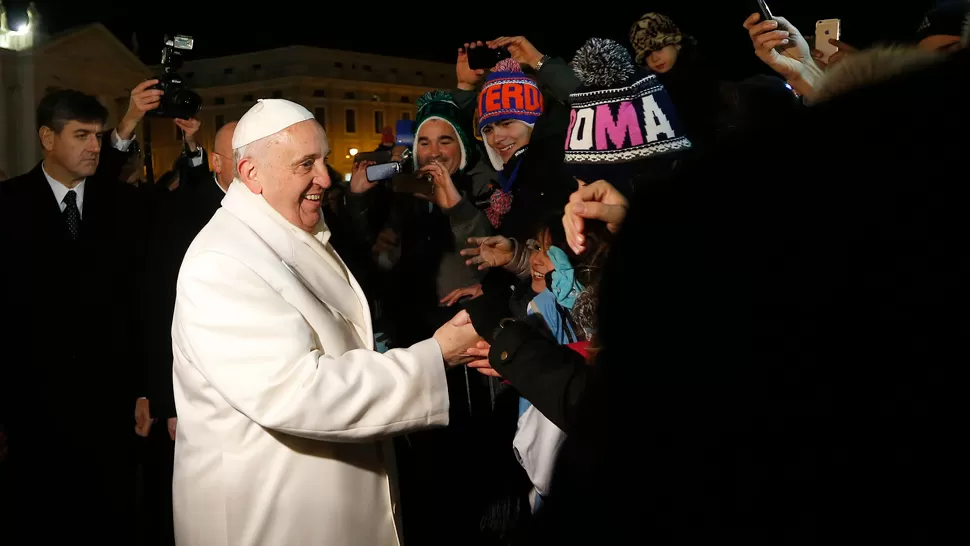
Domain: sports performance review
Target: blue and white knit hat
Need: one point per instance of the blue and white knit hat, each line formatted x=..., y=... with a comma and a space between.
x=507, y=94
x=621, y=114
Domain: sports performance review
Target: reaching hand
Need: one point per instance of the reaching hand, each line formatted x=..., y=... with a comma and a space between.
x=481, y=351
x=495, y=251
x=455, y=337
x=358, y=179
x=472, y=291
x=768, y=37
x=467, y=78
x=596, y=201
x=521, y=49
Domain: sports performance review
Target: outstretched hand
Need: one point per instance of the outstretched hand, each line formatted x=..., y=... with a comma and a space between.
x=495, y=251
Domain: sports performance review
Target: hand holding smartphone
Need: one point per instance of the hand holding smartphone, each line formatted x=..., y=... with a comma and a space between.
x=764, y=10
x=825, y=30
x=484, y=57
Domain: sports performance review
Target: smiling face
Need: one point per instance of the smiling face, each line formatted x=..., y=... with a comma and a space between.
x=289, y=170
x=540, y=264
x=438, y=141
x=507, y=137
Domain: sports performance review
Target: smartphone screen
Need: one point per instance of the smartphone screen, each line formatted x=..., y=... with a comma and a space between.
x=484, y=58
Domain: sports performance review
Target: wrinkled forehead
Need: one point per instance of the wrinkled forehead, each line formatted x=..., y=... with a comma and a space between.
x=305, y=137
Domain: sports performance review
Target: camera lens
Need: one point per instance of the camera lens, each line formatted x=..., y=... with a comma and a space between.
x=186, y=102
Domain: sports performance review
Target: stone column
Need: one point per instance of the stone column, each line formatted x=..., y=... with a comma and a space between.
x=24, y=110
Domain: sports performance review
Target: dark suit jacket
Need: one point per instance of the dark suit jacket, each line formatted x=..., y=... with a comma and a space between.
x=72, y=363
x=178, y=217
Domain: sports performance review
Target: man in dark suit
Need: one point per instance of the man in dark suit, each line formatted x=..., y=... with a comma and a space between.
x=73, y=249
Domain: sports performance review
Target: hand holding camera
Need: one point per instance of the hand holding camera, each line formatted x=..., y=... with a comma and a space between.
x=359, y=183
x=144, y=98
x=518, y=48
x=179, y=101
x=189, y=129
x=468, y=76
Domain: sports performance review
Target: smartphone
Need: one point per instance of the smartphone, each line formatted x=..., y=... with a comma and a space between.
x=824, y=30
x=411, y=183
x=484, y=58
x=376, y=157
x=764, y=10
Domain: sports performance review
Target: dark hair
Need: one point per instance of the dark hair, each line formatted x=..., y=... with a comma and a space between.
x=58, y=108
x=588, y=266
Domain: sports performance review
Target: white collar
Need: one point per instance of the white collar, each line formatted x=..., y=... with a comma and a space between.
x=60, y=190
x=218, y=185
x=304, y=254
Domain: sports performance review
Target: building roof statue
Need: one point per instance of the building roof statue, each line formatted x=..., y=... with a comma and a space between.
x=33, y=16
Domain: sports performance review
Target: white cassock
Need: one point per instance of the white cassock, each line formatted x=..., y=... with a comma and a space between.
x=284, y=408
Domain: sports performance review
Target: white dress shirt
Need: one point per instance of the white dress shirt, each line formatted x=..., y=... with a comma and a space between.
x=215, y=178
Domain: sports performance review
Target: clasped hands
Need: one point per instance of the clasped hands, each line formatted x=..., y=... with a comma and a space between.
x=597, y=201
x=461, y=344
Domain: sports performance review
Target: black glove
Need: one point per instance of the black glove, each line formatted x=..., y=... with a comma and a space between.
x=486, y=313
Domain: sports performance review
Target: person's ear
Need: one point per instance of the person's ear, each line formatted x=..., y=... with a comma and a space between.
x=249, y=174
x=47, y=136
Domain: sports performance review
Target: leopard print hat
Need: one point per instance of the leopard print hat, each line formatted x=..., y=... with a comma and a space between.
x=653, y=32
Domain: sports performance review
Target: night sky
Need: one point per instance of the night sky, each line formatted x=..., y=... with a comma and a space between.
x=221, y=28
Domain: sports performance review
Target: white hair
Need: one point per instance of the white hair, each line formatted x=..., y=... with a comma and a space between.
x=253, y=151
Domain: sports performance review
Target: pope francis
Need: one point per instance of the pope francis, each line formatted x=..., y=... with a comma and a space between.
x=284, y=408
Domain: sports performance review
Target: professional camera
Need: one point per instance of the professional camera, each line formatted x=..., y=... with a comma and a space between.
x=178, y=101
